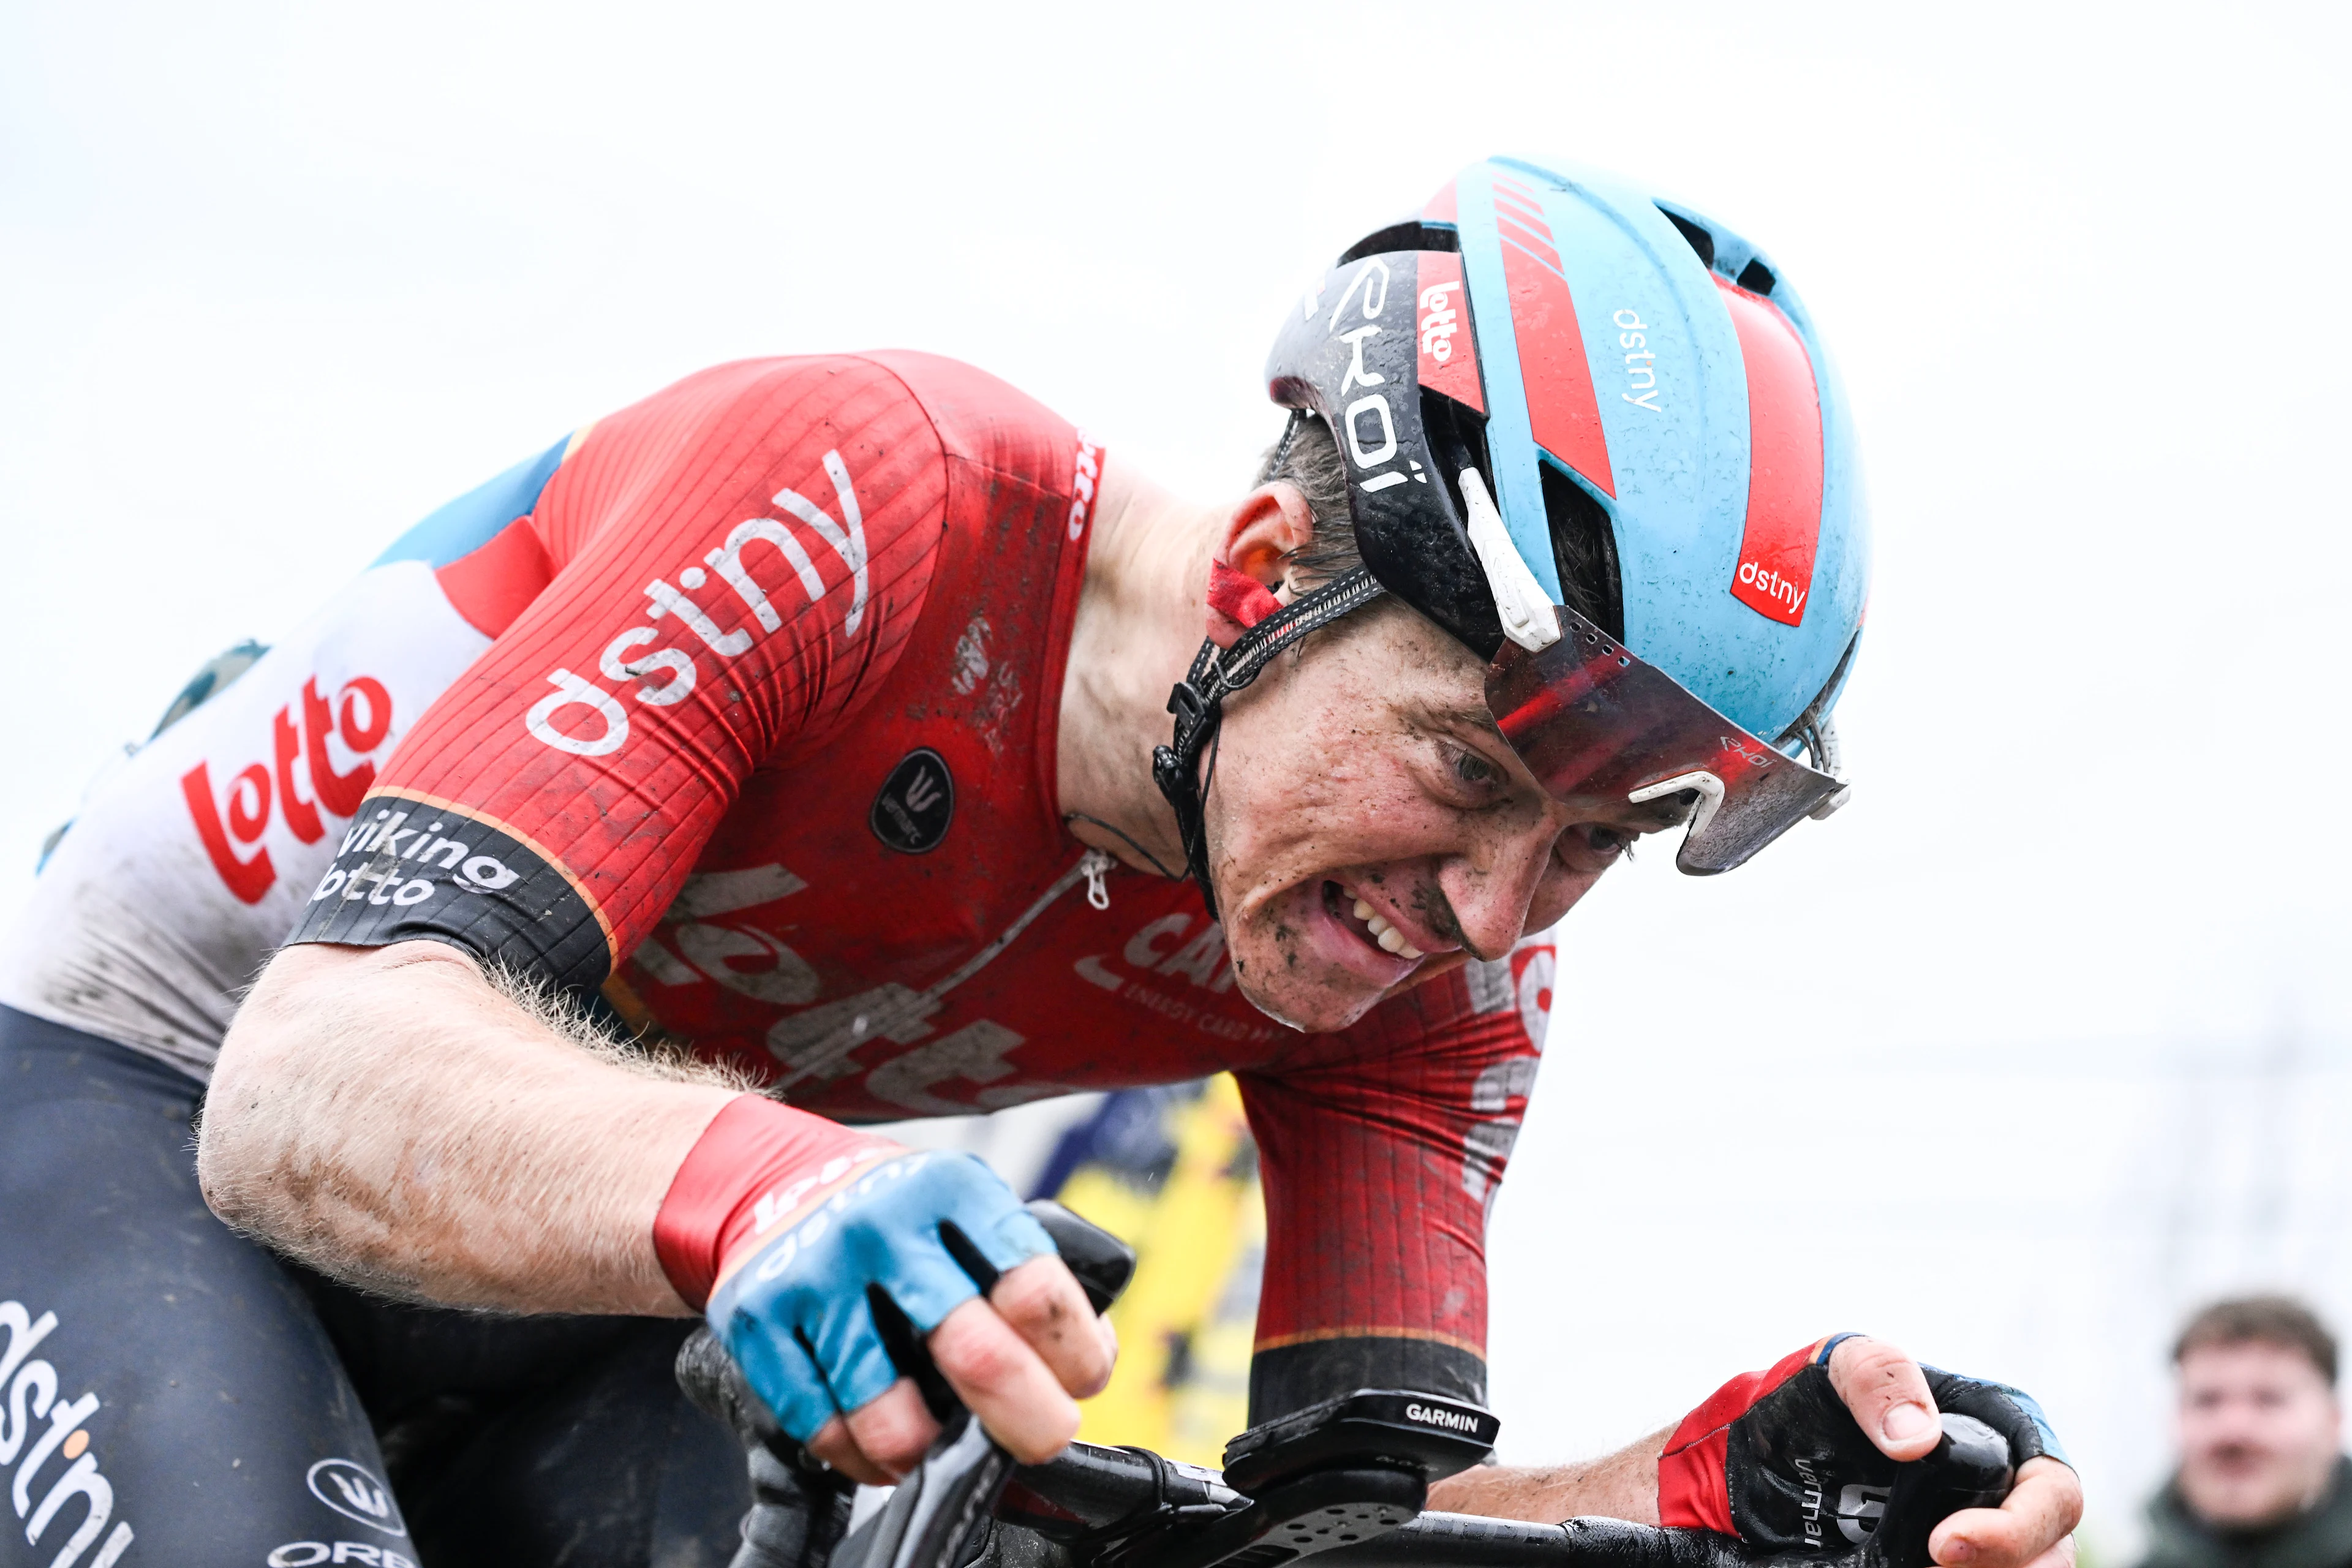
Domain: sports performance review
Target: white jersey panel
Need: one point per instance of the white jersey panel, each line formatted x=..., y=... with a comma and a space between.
x=185, y=872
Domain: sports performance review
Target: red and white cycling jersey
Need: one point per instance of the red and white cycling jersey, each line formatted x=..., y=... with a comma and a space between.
x=741, y=706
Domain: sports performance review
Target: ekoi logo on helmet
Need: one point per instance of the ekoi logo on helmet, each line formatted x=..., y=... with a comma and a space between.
x=1367, y=424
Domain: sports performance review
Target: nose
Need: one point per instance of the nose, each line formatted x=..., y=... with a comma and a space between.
x=1492, y=887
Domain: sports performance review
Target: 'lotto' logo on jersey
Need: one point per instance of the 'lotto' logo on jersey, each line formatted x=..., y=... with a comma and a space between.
x=360, y=718
x=622, y=661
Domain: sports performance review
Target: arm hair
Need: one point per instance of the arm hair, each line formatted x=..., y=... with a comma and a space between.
x=1622, y=1485
x=399, y=1120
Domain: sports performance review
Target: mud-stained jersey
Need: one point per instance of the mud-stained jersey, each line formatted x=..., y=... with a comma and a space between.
x=742, y=705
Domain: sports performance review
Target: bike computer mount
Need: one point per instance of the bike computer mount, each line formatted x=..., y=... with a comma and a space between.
x=1335, y=1474
x=1416, y=1431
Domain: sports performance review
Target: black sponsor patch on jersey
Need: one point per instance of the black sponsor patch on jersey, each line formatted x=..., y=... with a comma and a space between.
x=409, y=868
x=916, y=803
x=1289, y=1378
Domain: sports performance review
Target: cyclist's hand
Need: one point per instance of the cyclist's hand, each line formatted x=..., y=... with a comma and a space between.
x=1802, y=1456
x=794, y=1311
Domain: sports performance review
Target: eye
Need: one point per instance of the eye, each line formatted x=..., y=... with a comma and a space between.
x=1590, y=848
x=1472, y=769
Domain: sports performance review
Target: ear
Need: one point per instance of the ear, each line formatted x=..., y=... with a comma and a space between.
x=1249, y=564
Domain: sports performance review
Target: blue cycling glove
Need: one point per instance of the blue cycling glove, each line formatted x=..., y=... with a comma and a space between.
x=926, y=1231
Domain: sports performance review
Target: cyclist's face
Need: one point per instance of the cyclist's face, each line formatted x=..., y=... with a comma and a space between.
x=1366, y=772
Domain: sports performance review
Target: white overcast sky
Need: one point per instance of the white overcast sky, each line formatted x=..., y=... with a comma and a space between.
x=2045, y=1036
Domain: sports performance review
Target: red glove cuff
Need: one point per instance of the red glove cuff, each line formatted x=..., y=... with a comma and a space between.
x=757, y=1167
x=1693, y=1491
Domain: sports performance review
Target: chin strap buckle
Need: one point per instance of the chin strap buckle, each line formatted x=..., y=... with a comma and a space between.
x=1187, y=703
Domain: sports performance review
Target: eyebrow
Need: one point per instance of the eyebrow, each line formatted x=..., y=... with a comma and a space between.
x=1479, y=718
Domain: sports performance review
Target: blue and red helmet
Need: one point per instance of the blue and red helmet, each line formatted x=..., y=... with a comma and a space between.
x=1638, y=398
x=1593, y=435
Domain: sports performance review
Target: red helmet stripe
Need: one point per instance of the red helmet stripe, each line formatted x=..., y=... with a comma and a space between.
x=1775, y=573
x=1440, y=209
x=1537, y=245
x=1519, y=197
x=1561, y=412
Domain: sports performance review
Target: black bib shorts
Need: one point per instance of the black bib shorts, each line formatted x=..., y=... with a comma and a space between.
x=171, y=1392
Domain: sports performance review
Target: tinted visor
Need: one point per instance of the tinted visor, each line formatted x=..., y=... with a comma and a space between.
x=1590, y=719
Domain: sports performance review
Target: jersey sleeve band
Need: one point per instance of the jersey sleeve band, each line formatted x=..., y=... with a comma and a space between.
x=418, y=867
x=1290, y=1377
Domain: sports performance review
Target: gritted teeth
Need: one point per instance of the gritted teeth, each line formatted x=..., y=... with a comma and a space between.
x=1389, y=939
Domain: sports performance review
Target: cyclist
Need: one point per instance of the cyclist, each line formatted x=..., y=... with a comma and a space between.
x=803, y=716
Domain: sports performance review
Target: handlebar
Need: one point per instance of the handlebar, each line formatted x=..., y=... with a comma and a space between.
x=1346, y=1480
x=1128, y=1507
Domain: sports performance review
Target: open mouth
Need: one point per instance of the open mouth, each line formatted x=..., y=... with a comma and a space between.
x=1366, y=922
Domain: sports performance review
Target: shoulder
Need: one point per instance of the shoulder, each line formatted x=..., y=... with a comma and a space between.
x=740, y=417
x=975, y=413
x=997, y=431
x=905, y=424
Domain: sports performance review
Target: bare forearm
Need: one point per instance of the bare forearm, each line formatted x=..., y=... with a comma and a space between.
x=386, y=1116
x=1622, y=1485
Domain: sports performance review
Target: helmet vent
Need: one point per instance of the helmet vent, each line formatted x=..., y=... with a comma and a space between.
x=1700, y=240
x=1756, y=277
x=1457, y=437
x=1584, y=550
x=1410, y=235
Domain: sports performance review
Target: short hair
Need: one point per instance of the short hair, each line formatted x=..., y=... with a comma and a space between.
x=2260, y=1319
x=1584, y=551
x=1308, y=458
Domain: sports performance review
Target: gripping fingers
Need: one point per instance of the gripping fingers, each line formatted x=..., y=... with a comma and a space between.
x=834, y=1445
x=2033, y=1529
x=1889, y=1396
x=1046, y=1307
x=1004, y=1383
x=893, y=1431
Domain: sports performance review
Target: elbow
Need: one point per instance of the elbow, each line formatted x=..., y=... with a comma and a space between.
x=277, y=1121
x=259, y=1120
x=234, y=1161
x=232, y=1171
x=219, y=1173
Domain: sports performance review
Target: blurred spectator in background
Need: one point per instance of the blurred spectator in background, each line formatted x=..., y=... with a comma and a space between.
x=2262, y=1477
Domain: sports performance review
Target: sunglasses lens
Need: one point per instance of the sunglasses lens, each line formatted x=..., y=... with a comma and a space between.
x=1590, y=719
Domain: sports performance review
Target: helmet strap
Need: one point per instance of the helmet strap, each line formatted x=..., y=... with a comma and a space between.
x=1198, y=701
x=1282, y=447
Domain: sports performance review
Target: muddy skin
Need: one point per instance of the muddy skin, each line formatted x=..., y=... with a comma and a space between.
x=1369, y=770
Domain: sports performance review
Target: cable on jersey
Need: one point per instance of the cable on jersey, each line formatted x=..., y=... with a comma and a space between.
x=1157, y=863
